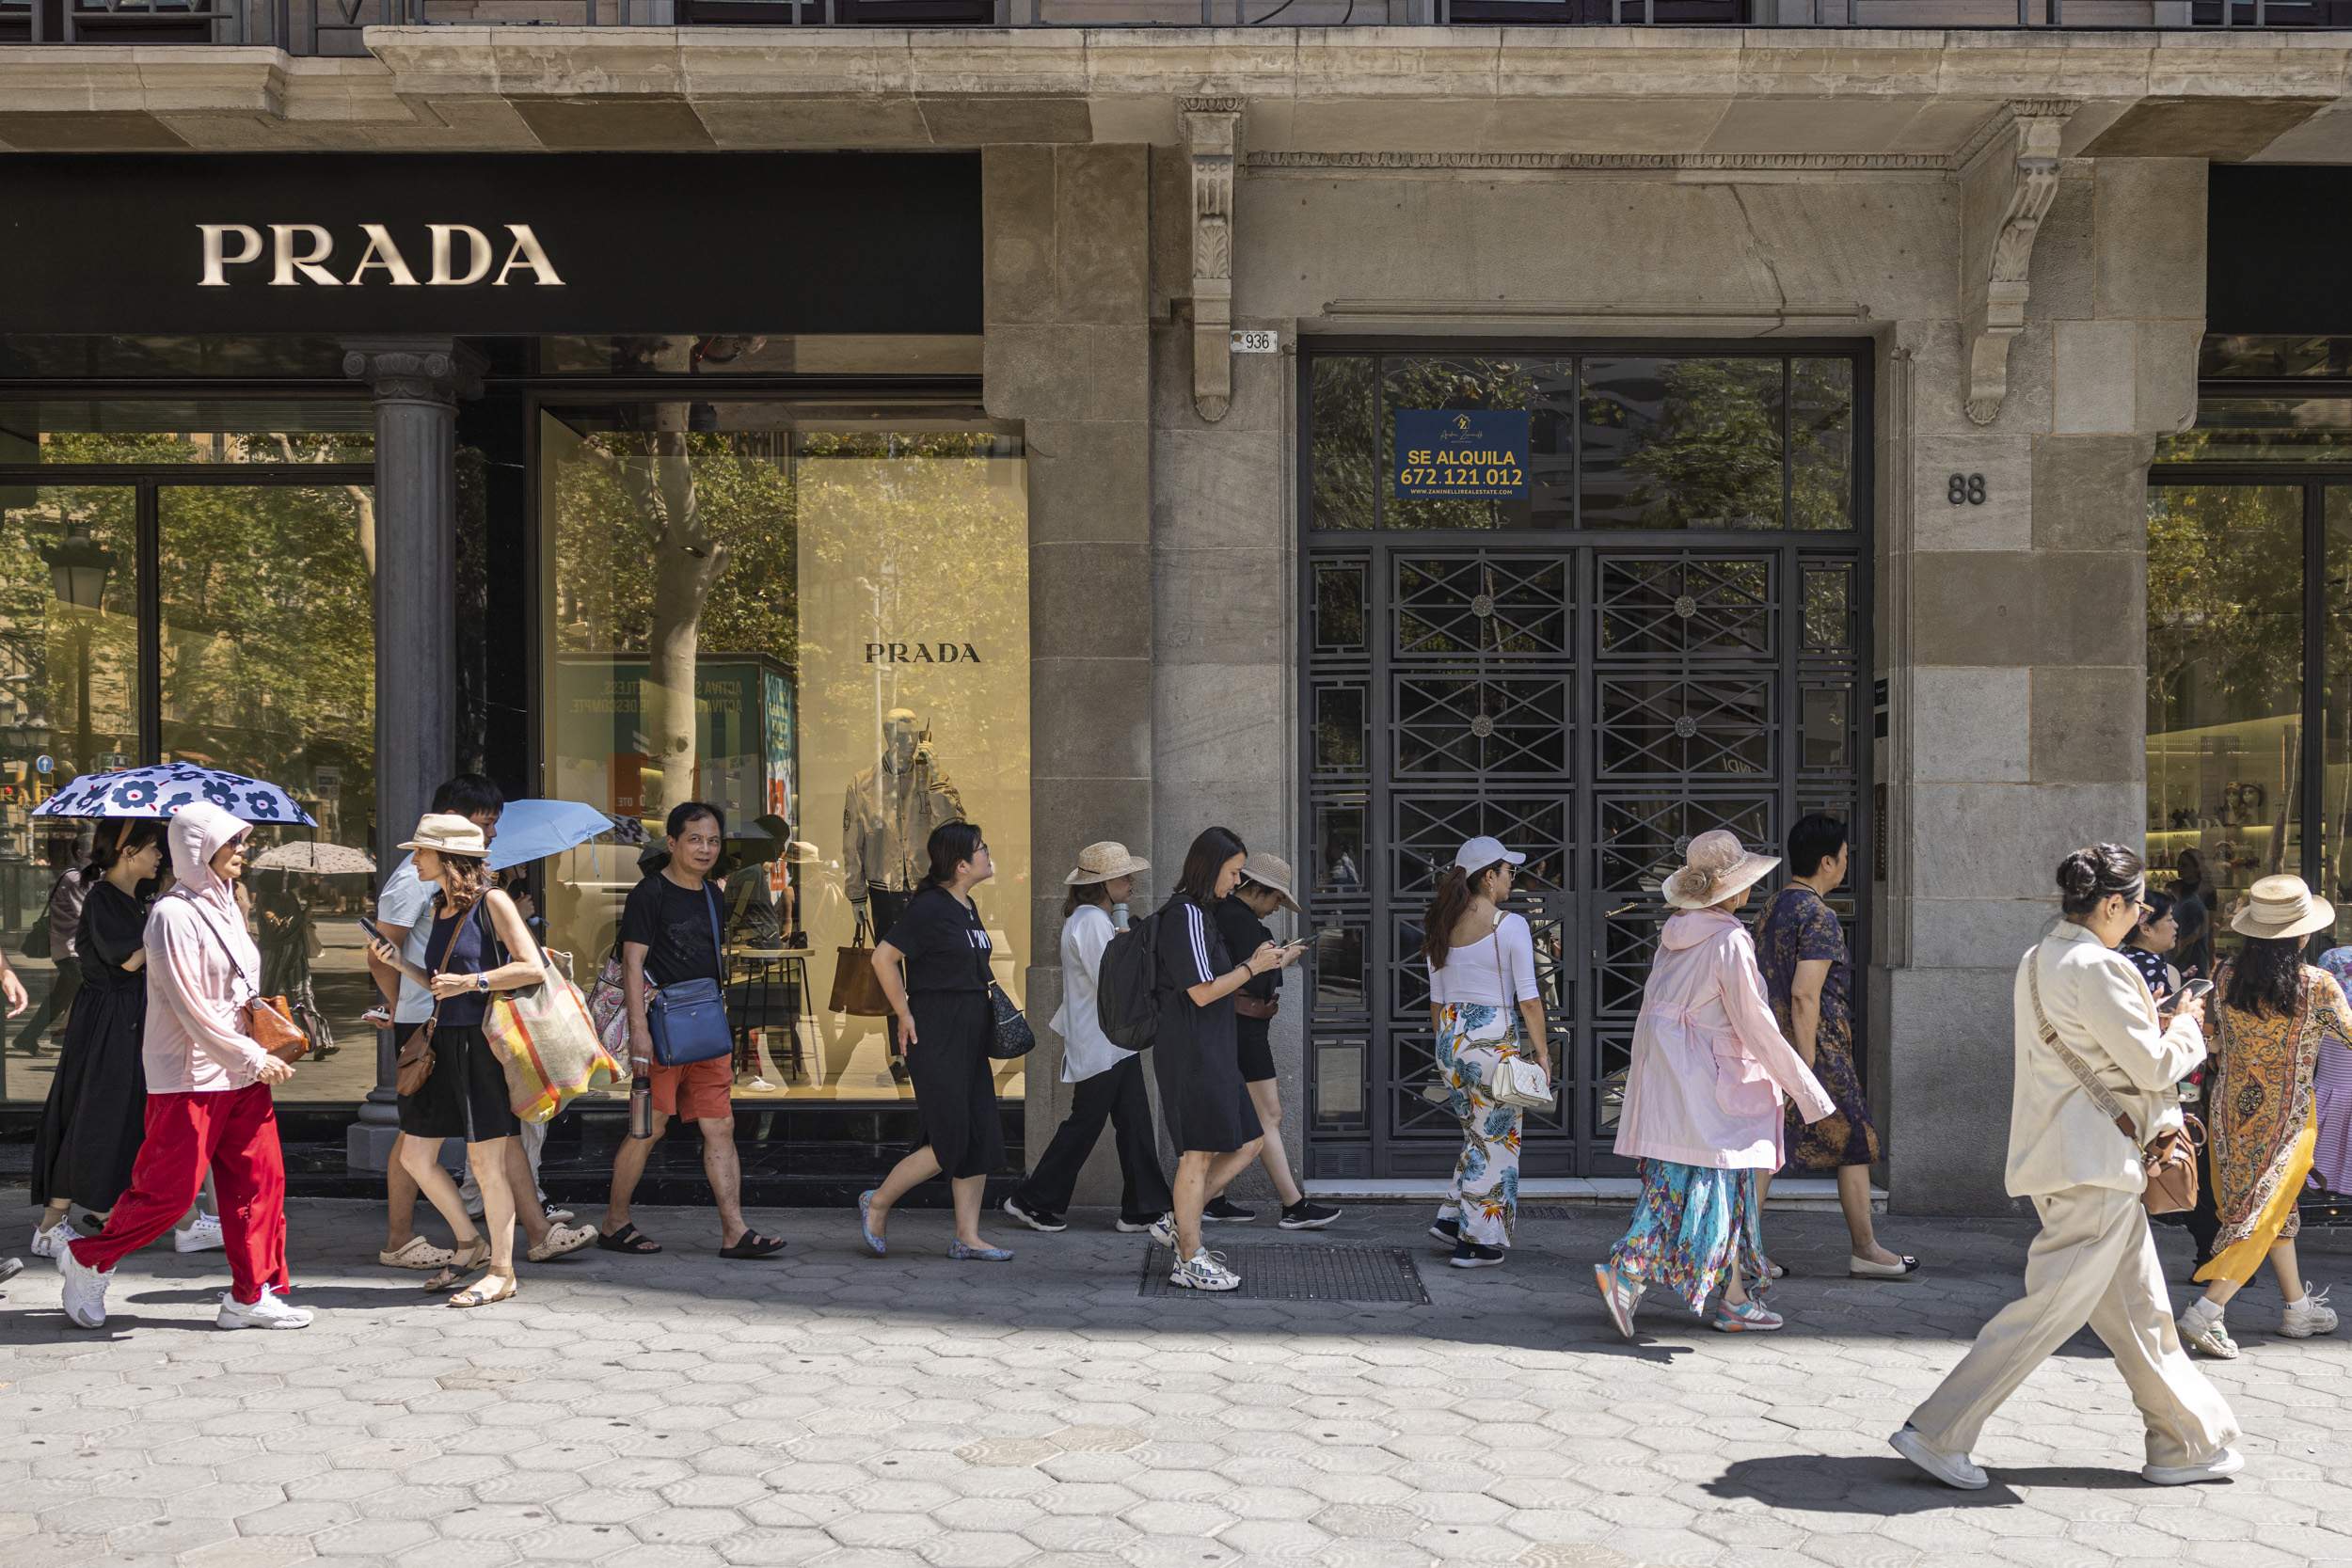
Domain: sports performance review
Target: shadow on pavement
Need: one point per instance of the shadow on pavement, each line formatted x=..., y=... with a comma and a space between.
x=1881, y=1487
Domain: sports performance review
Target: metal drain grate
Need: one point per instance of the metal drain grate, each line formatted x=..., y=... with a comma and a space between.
x=1335, y=1273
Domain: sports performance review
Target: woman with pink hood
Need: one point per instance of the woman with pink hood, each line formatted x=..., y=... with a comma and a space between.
x=1703, y=1101
x=208, y=1092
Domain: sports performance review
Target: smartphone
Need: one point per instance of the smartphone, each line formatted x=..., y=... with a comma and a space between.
x=2199, y=989
x=369, y=927
x=1313, y=938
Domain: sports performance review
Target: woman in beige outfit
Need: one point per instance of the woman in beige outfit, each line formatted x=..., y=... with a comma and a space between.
x=2094, y=1261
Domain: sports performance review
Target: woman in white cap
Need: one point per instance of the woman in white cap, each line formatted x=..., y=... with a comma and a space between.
x=1703, y=1108
x=2090, y=1049
x=1486, y=1008
x=2277, y=1014
x=1241, y=917
x=1109, y=1078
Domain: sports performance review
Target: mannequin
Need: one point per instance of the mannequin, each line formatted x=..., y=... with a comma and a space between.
x=885, y=823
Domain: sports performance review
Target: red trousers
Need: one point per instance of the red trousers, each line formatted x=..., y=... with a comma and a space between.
x=233, y=1132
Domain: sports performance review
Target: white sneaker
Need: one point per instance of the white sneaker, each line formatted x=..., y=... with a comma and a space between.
x=2310, y=1316
x=1164, y=1231
x=1206, y=1272
x=49, y=1243
x=84, y=1290
x=2228, y=1461
x=1952, y=1469
x=204, y=1235
x=271, y=1311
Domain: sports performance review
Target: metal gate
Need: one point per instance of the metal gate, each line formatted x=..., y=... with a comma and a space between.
x=1594, y=700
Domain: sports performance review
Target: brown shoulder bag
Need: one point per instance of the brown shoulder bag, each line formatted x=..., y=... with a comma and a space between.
x=2169, y=1159
x=414, y=1067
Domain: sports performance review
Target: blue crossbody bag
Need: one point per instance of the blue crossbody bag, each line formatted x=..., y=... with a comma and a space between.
x=689, y=1021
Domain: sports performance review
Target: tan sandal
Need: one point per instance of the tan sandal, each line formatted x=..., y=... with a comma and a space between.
x=460, y=1264
x=479, y=1293
x=563, y=1238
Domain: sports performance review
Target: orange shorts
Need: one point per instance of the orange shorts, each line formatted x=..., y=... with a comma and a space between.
x=699, y=1091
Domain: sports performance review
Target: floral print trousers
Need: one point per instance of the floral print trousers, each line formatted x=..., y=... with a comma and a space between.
x=1484, y=1196
x=1692, y=1227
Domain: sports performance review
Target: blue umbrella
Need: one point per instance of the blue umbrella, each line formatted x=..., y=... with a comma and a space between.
x=533, y=829
x=159, y=791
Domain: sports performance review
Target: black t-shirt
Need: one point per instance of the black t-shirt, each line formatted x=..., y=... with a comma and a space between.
x=674, y=924
x=1244, y=934
x=945, y=946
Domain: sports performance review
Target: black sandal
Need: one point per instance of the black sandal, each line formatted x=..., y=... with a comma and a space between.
x=753, y=1244
x=631, y=1240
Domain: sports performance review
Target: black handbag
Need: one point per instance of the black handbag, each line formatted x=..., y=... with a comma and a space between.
x=1012, y=1038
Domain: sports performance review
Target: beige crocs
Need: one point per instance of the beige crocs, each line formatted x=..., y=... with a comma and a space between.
x=561, y=1239
x=419, y=1254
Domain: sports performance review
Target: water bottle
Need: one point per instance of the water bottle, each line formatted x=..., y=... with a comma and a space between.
x=1118, y=917
x=641, y=1105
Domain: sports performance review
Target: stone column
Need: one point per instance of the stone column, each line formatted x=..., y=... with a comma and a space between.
x=1068, y=245
x=2015, y=629
x=416, y=383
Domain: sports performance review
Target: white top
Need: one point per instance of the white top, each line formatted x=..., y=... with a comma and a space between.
x=407, y=900
x=2058, y=1135
x=1474, y=974
x=1085, y=1050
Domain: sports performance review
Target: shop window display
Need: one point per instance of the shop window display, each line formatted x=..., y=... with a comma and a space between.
x=817, y=618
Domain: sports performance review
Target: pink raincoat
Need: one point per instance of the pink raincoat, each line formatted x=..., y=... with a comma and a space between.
x=1710, y=1063
x=202, y=967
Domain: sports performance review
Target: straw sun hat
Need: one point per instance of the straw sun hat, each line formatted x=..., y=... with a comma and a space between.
x=1715, y=868
x=1272, y=873
x=447, y=834
x=2279, y=907
x=1100, y=863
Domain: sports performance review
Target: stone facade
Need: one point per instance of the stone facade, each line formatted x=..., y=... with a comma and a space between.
x=2012, y=223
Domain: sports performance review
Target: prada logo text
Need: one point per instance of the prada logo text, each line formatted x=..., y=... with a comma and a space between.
x=448, y=256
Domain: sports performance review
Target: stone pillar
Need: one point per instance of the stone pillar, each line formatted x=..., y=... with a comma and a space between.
x=2014, y=631
x=416, y=383
x=1068, y=246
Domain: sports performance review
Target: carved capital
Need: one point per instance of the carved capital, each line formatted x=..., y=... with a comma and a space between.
x=415, y=370
x=2006, y=191
x=1211, y=140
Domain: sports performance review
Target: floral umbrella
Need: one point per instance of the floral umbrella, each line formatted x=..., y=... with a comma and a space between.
x=159, y=791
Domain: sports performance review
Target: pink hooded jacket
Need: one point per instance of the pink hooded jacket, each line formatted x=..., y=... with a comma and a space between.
x=1710, y=1063
x=202, y=967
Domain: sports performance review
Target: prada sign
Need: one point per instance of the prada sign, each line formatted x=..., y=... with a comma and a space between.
x=303, y=253
x=491, y=243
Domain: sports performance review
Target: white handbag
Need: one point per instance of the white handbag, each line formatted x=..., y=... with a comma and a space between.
x=1518, y=1082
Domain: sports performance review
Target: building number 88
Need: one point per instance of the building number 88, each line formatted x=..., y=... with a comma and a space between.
x=1965, y=490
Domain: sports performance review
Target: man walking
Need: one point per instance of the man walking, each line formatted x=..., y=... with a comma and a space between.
x=670, y=934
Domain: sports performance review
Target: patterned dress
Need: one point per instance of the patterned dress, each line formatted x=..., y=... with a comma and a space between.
x=2261, y=1117
x=1796, y=926
x=1484, y=1195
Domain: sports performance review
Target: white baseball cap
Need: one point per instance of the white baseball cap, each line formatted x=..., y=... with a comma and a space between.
x=1481, y=852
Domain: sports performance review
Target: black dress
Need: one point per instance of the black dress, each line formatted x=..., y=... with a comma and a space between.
x=1253, y=1037
x=1195, y=1057
x=946, y=952
x=96, y=1115
x=466, y=1097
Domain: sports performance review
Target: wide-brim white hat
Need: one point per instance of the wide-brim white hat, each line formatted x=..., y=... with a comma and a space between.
x=1715, y=868
x=1272, y=873
x=448, y=833
x=2277, y=908
x=1100, y=863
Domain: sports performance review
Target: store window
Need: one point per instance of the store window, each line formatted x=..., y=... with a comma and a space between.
x=192, y=581
x=816, y=617
x=1650, y=441
x=2249, y=653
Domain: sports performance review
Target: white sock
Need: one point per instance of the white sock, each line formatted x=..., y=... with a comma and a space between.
x=2205, y=1309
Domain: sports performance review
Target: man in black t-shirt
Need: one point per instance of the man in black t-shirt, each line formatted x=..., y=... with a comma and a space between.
x=669, y=936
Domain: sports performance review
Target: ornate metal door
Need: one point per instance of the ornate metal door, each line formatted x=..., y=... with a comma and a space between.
x=1595, y=704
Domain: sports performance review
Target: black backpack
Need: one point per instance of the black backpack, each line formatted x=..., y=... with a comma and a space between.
x=1127, y=988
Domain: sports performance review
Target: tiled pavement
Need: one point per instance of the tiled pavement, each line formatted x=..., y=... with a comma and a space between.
x=835, y=1409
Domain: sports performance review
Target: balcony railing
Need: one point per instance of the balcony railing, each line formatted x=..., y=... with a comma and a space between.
x=334, y=27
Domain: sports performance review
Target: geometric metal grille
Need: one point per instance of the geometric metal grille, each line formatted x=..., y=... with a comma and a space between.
x=1595, y=698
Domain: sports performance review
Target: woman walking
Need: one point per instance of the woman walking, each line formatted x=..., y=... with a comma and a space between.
x=1195, y=1057
x=2332, y=1094
x=1484, y=1000
x=1703, y=1103
x=208, y=1092
x=464, y=1093
x=2150, y=947
x=2081, y=1016
x=2276, y=1015
x=934, y=969
x=96, y=1113
x=1801, y=950
x=1241, y=917
x=1109, y=1078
